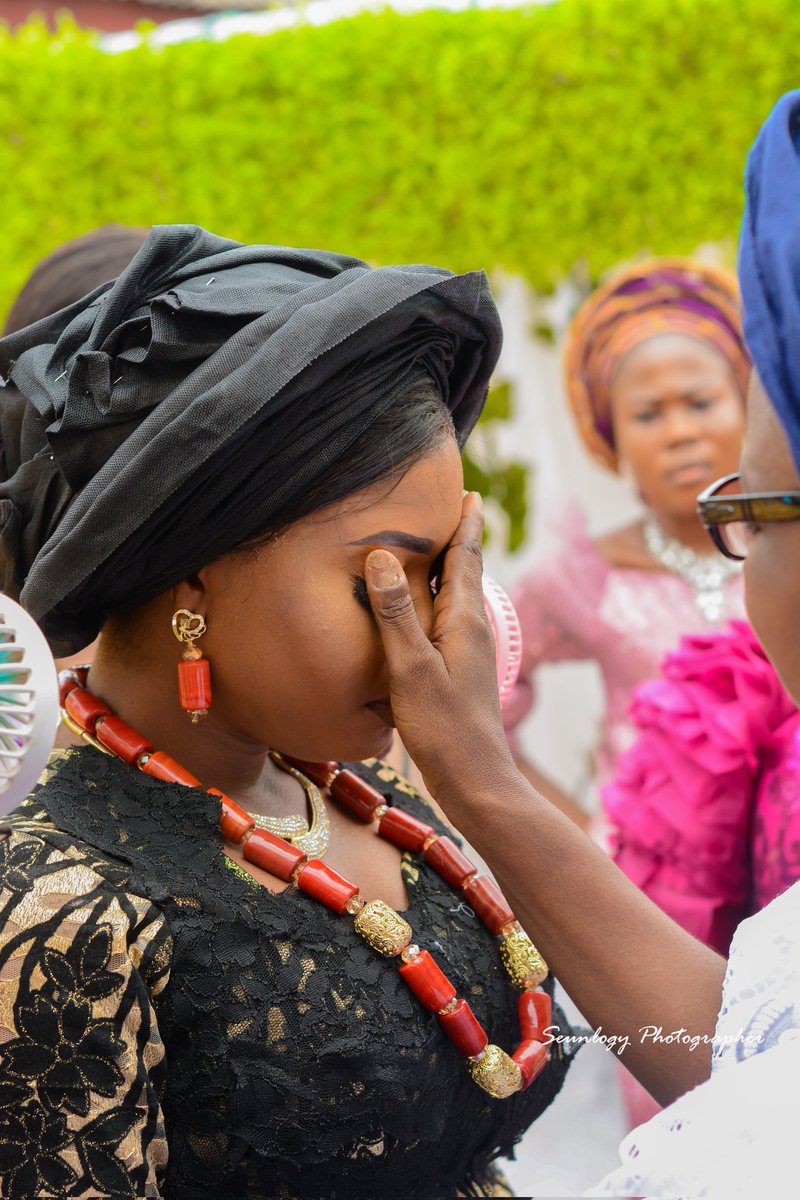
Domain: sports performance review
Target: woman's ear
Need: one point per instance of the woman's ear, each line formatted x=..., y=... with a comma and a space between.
x=191, y=594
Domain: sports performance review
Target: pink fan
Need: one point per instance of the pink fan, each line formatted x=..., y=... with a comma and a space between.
x=507, y=635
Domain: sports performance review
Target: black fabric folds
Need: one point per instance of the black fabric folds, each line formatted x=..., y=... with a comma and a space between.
x=159, y=422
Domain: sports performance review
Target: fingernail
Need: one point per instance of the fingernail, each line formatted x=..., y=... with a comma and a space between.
x=478, y=500
x=383, y=569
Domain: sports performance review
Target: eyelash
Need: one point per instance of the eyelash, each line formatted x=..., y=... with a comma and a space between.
x=362, y=595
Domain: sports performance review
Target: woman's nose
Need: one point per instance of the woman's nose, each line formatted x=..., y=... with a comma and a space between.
x=680, y=425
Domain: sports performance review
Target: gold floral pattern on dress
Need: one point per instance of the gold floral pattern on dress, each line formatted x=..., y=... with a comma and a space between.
x=387, y=774
x=67, y=1052
x=31, y=1139
x=72, y=1005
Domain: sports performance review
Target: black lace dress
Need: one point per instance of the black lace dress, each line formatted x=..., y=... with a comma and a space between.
x=170, y=1028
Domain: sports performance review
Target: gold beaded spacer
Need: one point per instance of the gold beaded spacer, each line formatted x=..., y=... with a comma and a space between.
x=451, y=1006
x=354, y=905
x=382, y=928
x=142, y=760
x=429, y=840
x=496, y=1072
x=410, y=953
x=522, y=960
x=378, y=812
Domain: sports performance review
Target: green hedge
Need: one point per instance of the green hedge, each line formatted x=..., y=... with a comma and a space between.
x=524, y=140
x=527, y=141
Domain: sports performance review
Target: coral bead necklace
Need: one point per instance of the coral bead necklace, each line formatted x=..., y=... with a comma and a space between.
x=386, y=931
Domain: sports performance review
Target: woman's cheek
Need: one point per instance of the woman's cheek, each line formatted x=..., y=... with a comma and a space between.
x=772, y=578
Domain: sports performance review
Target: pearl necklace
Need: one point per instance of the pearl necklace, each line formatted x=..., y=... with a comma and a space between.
x=706, y=573
x=386, y=931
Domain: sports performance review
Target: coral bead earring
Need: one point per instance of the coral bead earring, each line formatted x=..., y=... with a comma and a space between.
x=194, y=672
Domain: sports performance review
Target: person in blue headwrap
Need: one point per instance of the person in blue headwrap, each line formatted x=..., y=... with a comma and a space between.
x=668, y=1002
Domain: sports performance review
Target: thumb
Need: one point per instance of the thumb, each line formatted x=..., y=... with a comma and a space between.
x=404, y=640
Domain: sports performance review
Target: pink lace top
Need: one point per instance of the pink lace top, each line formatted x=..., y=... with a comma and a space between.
x=705, y=807
x=576, y=606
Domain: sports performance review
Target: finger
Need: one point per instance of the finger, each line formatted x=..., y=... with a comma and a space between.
x=462, y=573
x=393, y=609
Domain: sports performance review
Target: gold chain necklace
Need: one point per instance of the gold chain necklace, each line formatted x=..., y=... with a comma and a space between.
x=312, y=839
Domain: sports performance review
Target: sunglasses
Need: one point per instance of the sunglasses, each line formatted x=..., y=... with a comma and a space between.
x=731, y=515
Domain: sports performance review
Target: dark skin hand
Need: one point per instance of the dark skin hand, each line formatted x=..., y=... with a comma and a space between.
x=625, y=963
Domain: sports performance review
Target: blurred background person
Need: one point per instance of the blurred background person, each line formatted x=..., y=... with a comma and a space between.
x=73, y=270
x=656, y=373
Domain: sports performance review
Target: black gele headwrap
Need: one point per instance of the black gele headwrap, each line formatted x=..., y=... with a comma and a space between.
x=162, y=420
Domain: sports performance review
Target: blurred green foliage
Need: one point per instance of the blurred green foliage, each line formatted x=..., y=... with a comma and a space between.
x=531, y=140
x=527, y=139
x=497, y=479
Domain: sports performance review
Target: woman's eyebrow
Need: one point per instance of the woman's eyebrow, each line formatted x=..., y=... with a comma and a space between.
x=690, y=392
x=396, y=537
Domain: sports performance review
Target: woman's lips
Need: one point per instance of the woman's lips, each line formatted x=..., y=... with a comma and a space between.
x=383, y=709
x=692, y=473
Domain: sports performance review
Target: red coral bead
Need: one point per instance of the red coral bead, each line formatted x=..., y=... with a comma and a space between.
x=448, y=861
x=531, y=1058
x=194, y=685
x=483, y=894
x=233, y=821
x=428, y=983
x=403, y=830
x=121, y=739
x=535, y=1011
x=318, y=772
x=67, y=682
x=359, y=797
x=464, y=1029
x=161, y=766
x=272, y=854
x=326, y=885
x=84, y=708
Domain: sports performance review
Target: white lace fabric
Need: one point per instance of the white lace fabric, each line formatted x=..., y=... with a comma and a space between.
x=734, y=1136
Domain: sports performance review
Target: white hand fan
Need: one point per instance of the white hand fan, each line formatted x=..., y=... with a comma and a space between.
x=28, y=703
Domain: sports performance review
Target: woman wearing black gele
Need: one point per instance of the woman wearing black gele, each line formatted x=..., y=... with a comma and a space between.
x=232, y=967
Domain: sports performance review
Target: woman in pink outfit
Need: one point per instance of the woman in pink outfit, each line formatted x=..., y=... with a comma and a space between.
x=656, y=373
x=579, y=606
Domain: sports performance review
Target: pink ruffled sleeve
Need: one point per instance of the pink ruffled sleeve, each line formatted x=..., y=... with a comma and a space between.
x=682, y=800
